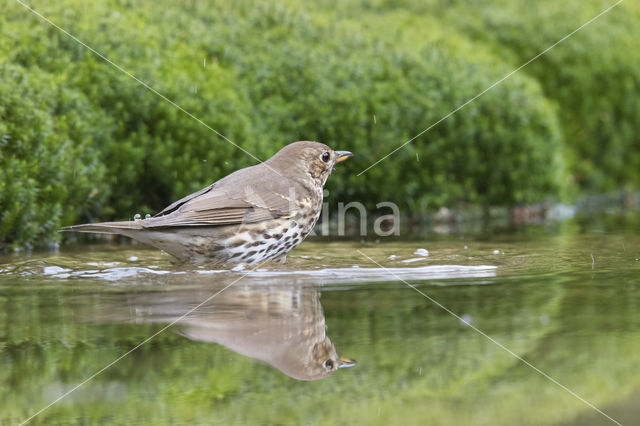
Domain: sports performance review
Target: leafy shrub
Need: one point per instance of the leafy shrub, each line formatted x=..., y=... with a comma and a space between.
x=363, y=76
x=50, y=172
x=594, y=76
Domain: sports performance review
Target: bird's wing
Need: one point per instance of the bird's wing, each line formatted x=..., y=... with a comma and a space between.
x=174, y=206
x=238, y=198
x=216, y=208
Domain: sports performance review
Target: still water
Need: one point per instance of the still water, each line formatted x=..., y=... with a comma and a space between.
x=265, y=346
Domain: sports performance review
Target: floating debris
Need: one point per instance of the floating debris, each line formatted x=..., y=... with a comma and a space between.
x=421, y=252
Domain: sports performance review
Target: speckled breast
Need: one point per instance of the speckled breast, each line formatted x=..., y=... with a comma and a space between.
x=272, y=240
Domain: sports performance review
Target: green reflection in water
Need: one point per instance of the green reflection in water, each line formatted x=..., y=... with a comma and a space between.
x=416, y=363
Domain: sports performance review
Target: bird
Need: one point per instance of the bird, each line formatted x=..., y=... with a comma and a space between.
x=283, y=326
x=254, y=215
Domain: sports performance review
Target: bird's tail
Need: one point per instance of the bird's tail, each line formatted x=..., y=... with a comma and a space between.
x=122, y=228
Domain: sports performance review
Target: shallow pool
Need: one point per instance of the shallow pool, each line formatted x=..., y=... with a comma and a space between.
x=518, y=328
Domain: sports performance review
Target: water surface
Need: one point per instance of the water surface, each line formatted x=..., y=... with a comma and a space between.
x=566, y=300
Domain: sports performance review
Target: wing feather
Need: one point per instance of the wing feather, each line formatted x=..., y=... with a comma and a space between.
x=250, y=195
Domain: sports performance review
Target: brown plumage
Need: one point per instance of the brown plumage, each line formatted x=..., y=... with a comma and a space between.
x=252, y=215
x=283, y=326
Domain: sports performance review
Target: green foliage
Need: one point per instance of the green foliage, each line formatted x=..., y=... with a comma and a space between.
x=363, y=76
x=594, y=76
x=49, y=168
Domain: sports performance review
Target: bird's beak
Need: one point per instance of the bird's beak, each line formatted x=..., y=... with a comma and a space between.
x=346, y=362
x=343, y=155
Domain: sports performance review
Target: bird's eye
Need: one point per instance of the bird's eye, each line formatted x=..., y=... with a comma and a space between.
x=328, y=364
x=325, y=157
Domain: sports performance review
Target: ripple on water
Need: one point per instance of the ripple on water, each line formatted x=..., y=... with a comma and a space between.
x=264, y=275
x=130, y=267
x=361, y=275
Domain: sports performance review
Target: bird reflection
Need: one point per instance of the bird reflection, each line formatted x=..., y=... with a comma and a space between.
x=282, y=326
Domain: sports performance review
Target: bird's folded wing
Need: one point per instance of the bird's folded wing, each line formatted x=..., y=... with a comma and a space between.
x=174, y=206
x=217, y=207
x=248, y=195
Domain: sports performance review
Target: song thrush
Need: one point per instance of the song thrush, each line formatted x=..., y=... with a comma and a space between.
x=252, y=215
x=282, y=325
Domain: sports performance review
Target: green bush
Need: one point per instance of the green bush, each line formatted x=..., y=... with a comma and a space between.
x=364, y=76
x=594, y=76
x=50, y=171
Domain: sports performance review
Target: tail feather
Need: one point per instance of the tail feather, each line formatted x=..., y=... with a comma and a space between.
x=105, y=227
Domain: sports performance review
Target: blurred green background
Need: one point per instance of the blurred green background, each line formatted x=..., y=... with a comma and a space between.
x=81, y=141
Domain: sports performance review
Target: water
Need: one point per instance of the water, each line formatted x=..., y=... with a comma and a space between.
x=564, y=298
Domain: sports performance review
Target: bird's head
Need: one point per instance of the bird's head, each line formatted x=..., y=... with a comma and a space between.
x=323, y=360
x=301, y=160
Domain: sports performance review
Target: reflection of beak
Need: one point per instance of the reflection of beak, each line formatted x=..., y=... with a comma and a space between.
x=346, y=362
x=343, y=155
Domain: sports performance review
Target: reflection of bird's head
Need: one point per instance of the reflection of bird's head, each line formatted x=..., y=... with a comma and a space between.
x=283, y=326
x=324, y=360
x=301, y=160
x=296, y=355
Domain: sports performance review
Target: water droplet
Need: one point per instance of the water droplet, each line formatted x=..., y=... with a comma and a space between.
x=137, y=217
x=147, y=216
x=496, y=252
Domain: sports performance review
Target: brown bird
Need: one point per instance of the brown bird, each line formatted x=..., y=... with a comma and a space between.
x=283, y=326
x=253, y=215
